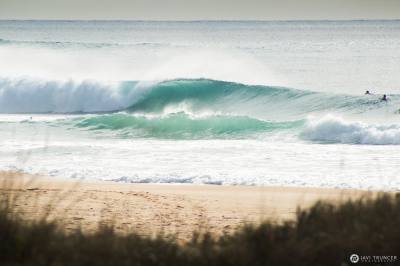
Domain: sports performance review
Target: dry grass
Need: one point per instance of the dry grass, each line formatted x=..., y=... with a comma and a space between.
x=325, y=234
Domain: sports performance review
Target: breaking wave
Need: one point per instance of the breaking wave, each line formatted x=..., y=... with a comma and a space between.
x=50, y=96
x=203, y=108
x=41, y=96
x=337, y=130
x=182, y=125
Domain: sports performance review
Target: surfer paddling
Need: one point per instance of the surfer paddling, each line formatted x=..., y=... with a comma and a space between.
x=384, y=97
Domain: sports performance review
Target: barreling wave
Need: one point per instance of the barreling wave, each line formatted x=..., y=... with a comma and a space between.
x=182, y=126
x=253, y=100
x=331, y=129
x=200, y=95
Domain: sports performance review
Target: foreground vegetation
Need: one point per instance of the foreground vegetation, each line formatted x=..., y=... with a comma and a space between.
x=325, y=234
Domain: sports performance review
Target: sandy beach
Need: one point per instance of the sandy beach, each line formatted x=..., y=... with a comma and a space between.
x=159, y=208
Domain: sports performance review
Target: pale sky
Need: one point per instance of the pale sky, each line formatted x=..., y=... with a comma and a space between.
x=200, y=9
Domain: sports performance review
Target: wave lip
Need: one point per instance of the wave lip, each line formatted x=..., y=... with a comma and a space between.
x=331, y=129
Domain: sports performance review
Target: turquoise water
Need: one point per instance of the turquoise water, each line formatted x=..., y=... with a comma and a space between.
x=254, y=103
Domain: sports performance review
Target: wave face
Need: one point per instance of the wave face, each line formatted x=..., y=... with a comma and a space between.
x=258, y=101
x=182, y=126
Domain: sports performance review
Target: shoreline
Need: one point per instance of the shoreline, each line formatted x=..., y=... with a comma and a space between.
x=150, y=209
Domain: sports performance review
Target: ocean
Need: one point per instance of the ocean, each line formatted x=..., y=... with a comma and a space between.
x=276, y=103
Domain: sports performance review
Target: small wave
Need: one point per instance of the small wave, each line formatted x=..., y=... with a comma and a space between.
x=331, y=129
x=181, y=126
x=169, y=180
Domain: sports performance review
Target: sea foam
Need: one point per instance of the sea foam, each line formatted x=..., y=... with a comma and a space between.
x=338, y=130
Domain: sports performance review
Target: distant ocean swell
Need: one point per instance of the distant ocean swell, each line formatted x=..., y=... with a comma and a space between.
x=201, y=109
x=87, y=45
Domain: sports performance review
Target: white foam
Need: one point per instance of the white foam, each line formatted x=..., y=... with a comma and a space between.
x=24, y=95
x=338, y=130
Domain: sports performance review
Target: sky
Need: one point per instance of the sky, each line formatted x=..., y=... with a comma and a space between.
x=200, y=9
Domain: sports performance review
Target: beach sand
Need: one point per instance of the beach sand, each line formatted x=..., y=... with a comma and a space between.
x=149, y=209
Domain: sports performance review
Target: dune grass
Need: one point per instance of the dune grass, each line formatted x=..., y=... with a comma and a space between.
x=325, y=234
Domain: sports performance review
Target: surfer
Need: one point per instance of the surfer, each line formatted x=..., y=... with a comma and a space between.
x=384, y=98
x=367, y=93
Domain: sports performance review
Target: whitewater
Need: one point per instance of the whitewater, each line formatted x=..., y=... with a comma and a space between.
x=227, y=103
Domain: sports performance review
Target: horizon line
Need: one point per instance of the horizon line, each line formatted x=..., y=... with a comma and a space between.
x=210, y=20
